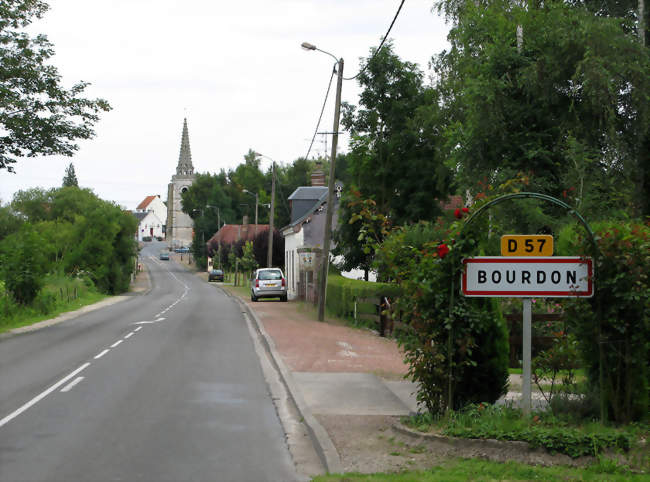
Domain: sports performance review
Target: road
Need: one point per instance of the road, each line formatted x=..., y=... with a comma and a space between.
x=164, y=386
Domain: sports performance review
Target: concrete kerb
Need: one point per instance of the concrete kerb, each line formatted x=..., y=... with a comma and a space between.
x=320, y=439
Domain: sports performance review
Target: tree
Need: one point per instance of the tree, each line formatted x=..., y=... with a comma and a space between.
x=38, y=116
x=393, y=160
x=9, y=221
x=568, y=106
x=70, y=178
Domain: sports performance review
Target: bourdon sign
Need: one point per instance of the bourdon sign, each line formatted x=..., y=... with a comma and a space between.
x=504, y=276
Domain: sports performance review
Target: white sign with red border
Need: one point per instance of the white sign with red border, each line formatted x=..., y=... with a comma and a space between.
x=505, y=276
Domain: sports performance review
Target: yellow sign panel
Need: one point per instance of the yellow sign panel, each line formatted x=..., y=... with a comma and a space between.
x=527, y=245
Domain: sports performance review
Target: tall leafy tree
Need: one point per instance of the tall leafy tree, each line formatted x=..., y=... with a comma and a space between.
x=38, y=115
x=392, y=159
x=395, y=156
x=568, y=104
x=70, y=178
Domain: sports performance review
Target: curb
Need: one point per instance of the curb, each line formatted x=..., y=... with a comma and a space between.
x=320, y=438
x=454, y=441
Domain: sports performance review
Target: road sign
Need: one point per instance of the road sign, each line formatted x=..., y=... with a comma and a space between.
x=527, y=245
x=503, y=276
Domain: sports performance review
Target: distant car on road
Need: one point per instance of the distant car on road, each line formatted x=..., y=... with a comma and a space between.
x=164, y=256
x=215, y=275
x=268, y=283
x=182, y=250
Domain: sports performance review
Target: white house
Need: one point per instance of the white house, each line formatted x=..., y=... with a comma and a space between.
x=149, y=225
x=308, y=206
x=155, y=204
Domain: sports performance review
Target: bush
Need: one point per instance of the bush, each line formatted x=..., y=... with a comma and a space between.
x=458, y=346
x=620, y=302
x=342, y=293
x=23, y=264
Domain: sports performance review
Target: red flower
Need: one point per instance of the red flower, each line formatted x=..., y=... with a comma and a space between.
x=457, y=213
x=465, y=210
x=443, y=249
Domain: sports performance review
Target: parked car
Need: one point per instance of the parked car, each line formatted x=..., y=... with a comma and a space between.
x=182, y=250
x=268, y=283
x=215, y=275
x=164, y=255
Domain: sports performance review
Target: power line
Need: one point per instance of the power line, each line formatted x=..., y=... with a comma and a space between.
x=380, y=45
x=321, y=113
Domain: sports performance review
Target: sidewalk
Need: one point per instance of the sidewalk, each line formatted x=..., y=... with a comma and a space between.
x=337, y=376
x=347, y=383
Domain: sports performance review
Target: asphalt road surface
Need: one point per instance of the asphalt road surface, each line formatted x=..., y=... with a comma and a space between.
x=165, y=386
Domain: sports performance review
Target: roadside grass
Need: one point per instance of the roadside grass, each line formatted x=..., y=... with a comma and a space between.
x=560, y=433
x=60, y=294
x=478, y=469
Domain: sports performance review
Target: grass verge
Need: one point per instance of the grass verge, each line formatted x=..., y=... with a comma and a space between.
x=557, y=434
x=477, y=469
x=59, y=294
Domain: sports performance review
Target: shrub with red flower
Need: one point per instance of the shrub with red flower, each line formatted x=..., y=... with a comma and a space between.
x=443, y=249
x=457, y=213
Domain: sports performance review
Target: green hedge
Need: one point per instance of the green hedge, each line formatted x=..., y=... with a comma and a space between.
x=342, y=292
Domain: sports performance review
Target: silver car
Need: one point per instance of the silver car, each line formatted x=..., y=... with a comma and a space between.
x=268, y=283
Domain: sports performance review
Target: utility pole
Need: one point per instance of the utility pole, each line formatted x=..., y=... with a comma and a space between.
x=330, y=197
x=256, y=204
x=269, y=256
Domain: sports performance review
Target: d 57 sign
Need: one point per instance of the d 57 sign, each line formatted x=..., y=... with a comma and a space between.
x=503, y=276
x=527, y=245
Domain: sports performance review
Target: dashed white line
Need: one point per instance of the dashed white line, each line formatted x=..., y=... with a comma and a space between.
x=69, y=386
x=42, y=395
x=128, y=336
x=138, y=328
x=116, y=343
x=99, y=355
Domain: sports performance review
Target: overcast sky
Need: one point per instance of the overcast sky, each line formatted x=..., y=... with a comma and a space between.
x=234, y=69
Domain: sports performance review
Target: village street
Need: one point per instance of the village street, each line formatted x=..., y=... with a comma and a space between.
x=164, y=386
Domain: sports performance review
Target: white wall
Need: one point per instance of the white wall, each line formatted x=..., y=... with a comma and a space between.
x=292, y=242
x=150, y=221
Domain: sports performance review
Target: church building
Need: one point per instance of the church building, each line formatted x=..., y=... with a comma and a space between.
x=180, y=225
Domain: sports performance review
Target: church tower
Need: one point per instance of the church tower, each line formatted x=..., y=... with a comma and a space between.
x=180, y=225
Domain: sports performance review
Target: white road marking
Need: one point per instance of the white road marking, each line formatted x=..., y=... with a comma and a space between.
x=69, y=386
x=41, y=396
x=116, y=343
x=147, y=322
x=99, y=355
x=128, y=336
x=138, y=328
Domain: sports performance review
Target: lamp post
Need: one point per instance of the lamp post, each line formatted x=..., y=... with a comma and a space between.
x=256, y=204
x=269, y=254
x=330, y=185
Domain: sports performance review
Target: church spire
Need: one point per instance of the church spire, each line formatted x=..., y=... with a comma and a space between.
x=185, y=167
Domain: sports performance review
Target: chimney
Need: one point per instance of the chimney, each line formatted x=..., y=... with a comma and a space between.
x=318, y=176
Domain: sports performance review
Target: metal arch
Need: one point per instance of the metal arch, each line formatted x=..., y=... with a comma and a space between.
x=532, y=195
x=474, y=215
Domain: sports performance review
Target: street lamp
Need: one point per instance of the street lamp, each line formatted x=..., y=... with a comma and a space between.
x=256, y=204
x=330, y=185
x=269, y=253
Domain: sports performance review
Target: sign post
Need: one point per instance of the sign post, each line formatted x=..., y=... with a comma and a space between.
x=526, y=277
x=526, y=385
